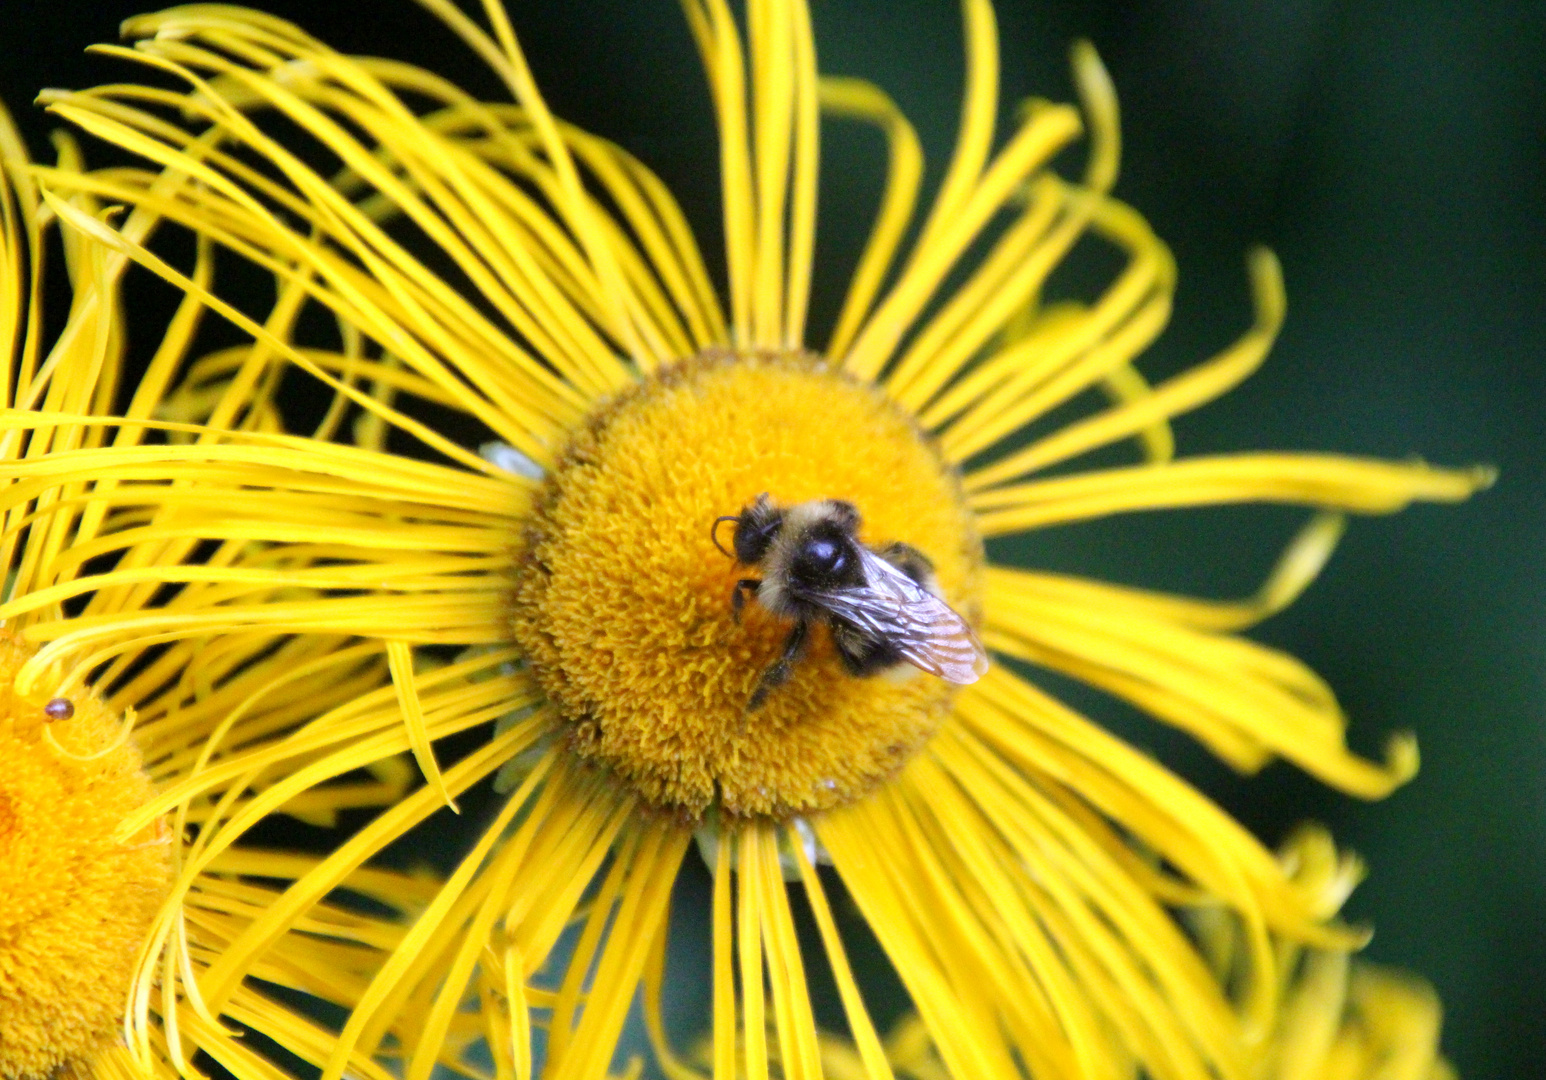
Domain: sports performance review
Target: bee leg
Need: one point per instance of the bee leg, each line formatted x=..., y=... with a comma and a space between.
x=862, y=654
x=738, y=595
x=778, y=672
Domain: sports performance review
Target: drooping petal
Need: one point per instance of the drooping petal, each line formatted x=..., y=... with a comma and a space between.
x=1246, y=702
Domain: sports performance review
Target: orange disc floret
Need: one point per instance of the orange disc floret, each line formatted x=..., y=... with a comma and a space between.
x=623, y=603
x=75, y=902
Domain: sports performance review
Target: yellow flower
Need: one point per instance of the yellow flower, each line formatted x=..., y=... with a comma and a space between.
x=101, y=920
x=1342, y=1019
x=480, y=273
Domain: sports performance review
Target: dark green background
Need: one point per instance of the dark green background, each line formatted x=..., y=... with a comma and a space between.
x=1393, y=154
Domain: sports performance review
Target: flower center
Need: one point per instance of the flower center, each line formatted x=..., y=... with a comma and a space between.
x=623, y=601
x=74, y=903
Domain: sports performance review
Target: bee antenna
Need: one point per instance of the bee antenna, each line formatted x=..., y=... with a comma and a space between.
x=714, y=532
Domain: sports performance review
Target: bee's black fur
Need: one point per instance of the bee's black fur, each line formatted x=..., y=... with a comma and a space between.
x=755, y=528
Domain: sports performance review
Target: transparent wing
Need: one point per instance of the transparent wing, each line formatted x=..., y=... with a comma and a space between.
x=894, y=608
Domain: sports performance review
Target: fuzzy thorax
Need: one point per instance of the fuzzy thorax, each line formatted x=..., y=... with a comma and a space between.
x=75, y=902
x=623, y=602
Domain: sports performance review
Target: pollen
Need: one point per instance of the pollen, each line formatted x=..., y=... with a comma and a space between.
x=622, y=601
x=75, y=902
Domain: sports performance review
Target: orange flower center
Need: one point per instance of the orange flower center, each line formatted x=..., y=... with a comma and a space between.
x=623, y=602
x=75, y=903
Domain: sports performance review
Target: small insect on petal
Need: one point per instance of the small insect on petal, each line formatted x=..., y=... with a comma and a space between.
x=59, y=708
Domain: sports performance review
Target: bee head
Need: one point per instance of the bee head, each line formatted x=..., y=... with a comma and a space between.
x=755, y=527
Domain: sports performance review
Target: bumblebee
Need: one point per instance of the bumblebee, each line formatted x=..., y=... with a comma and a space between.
x=882, y=605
